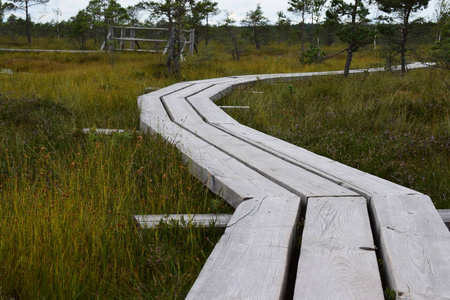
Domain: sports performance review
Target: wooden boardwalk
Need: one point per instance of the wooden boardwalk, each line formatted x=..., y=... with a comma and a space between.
x=353, y=220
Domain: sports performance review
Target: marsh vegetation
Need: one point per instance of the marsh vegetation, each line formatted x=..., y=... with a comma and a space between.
x=67, y=198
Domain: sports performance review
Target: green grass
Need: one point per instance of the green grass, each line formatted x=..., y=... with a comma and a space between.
x=66, y=198
x=394, y=127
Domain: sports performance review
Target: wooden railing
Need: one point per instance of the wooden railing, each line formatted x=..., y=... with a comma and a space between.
x=128, y=34
x=352, y=220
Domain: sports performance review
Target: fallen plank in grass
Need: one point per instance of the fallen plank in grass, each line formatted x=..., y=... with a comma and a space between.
x=239, y=107
x=204, y=220
x=108, y=131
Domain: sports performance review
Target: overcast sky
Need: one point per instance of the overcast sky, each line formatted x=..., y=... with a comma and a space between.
x=238, y=8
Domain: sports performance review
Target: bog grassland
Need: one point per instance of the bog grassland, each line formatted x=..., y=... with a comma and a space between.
x=66, y=198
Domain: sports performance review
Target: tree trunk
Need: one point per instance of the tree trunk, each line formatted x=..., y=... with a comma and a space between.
x=303, y=31
x=348, y=61
x=171, y=50
x=206, y=30
x=404, y=41
x=255, y=36
x=403, y=54
x=27, y=23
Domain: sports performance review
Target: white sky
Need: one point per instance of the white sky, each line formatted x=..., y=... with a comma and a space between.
x=238, y=8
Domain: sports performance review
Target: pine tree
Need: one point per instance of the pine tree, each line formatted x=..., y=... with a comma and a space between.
x=402, y=10
x=351, y=21
x=25, y=6
x=255, y=19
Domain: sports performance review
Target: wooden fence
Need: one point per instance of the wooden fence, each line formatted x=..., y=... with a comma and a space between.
x=128, y=34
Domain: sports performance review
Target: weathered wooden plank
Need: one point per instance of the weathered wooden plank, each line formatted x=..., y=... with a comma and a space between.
x=414, y=244
x=234, y=106
x=209, y=111
x=291, y=177
x=251, y=260
x=203, y=220
x=139, y=40
x=47, y=50
x=388, y=200
x=223, y=174
x=337, y=256
x=445, y=215
x=108, y=131
x=354, y=179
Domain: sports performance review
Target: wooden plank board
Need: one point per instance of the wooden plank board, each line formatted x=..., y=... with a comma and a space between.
x=108, y=131
x=209, y=111
x=47, y=50
x=234, y=106
x=140, y=40
x=337, y=256
x=354, y=179
x=445, y=215
x=388, y=202
x=414, y=244
x=203, y=220
x=223, y=174
x=251, y=260
x=291, y=177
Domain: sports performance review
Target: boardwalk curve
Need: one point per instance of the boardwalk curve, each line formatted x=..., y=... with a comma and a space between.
x=351, y=217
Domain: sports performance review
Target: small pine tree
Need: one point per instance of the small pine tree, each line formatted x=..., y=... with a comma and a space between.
x=351, y=21
x=402, y=10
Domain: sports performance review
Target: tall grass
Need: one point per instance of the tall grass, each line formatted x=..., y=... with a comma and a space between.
x=394, y=127
x=67, y=199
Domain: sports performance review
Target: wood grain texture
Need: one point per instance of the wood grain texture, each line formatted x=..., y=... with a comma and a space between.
x=203, y=220
x=251, y=259
x=291, y=177
x=414, y=244
x=337, y=258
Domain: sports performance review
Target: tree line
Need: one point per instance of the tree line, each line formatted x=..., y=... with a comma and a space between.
x=321, y=22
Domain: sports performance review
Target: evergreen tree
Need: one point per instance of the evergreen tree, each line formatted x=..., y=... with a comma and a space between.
x=232, y=37
x=284, y=27
x=201, y=11
x=351, y=21
x=25, y=6
x=255, y=19
x=80, y=27
x=176, y=12
x=440, y=52
x=103, y=14
x=301, y=7
x=402, y=10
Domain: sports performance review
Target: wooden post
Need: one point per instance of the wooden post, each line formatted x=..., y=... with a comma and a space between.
x=132, y=35
x=122, y=35
x=191, y=42
x=110, y=39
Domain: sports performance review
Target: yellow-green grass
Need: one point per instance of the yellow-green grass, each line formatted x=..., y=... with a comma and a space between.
x=67, y=199
x=394, y=127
